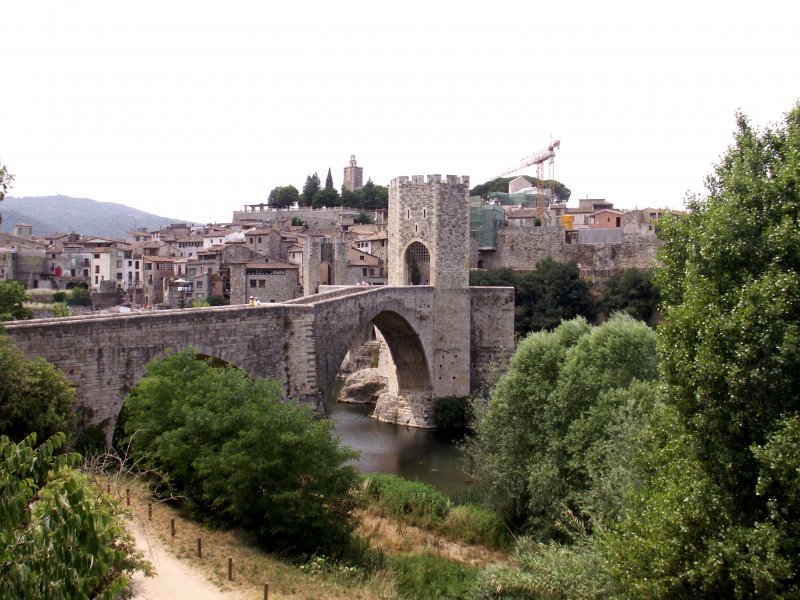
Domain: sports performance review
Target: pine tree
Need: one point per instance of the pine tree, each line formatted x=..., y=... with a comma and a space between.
x=329, y=180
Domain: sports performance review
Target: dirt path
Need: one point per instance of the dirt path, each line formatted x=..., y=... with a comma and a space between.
x=174, y=580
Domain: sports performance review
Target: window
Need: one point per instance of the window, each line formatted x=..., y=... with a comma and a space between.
x=137, y=264
x=85, y=262
x=251, y=240
x=262, y=283
x=119, y=276
x=253, y=283
x=97, y=268
x=119, y=264
x=199, y=285
x=362, y=257
x=96, y=279
x=86, y=272
x=148, y=266
x=364, y=272
x=259, y=240
x=97, y=256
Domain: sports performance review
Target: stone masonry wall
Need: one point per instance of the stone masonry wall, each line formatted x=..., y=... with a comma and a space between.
x=521, y=249
x=491, y=332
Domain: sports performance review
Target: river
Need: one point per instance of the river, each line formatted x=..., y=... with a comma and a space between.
x=424, y=454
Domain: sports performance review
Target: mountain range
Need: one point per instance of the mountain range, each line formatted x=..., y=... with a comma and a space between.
x=52, y=214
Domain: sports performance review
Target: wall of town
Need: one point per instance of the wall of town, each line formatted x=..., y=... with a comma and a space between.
x=521, y=249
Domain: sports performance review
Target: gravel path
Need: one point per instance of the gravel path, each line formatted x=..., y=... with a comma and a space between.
x=174, y=580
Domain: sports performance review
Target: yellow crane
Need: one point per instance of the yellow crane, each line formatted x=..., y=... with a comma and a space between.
x=539, y=159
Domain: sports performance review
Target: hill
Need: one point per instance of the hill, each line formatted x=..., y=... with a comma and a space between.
x=51, y=214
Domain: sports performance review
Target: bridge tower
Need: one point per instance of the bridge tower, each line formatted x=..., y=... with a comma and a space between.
x=429, y=226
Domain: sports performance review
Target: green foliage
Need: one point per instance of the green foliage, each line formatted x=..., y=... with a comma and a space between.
x=329, y=180
x=60, y=309
x=730, y=283
x=632, y=292
x=551, y=571
x=414, y=502
x=536, y=445
x=552, y=293
x=5, y=182
x=416, y=274
x=59, y=296
x=217, y=301
x=452, y=413
x=79, y=293
x=500, y=184
x=60, y=537
x=200, y=303
x=476, y=525
x=12, y=295
x=363, y=219
x=242, y=457
x=283, y=197
x=429, y=576
x=370, y=197
x=310, y=187
x=326, y=197
x=35, y=397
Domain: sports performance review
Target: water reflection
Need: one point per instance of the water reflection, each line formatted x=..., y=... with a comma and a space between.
x=421, y=454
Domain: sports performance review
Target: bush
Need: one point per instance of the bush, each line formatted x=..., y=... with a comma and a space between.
x=12, y=295
x=241, y=456
x=59, y=296
x=60, y=309
x=414, y=502
x=60, y=537
x=35, y=396
x=452, y=413
x=476, y=525
x=429, y=576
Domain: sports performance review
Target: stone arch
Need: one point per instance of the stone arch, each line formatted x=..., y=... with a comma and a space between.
x=409, y=369
x=419, y=251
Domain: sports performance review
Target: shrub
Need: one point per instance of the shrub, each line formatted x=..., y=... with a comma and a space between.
x=60, y=537
x=414, y=502
x=430, y=576
x=476, y=525
x=452, y=413
x=59, y=296
x=35, y=396
x=241, y=456
x=60, y=309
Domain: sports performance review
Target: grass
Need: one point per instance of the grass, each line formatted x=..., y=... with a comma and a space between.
x=405, y=562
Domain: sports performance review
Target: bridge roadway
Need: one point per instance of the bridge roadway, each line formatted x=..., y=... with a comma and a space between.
x=301, y=342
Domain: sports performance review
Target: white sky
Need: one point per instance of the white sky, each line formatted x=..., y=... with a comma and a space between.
x=191, y=109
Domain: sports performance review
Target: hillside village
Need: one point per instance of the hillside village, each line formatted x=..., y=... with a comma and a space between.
x=274, y=255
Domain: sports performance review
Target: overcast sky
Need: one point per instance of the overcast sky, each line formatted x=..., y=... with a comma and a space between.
x=191, y=109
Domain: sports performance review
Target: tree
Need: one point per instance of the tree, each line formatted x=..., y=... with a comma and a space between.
x=310, y=188
x=633, y=292
x=547, y=418
x=60, y=536
x=416, y=274
x=283, y=197
x=730, y=283
x=5, y=183
x=326, y=197
x=329, y=180
x=12, y=295
x=242, y=457
x=35, y=396
x=500, y=185
x=554, y=292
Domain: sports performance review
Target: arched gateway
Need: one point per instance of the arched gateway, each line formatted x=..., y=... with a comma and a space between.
x=440, y=336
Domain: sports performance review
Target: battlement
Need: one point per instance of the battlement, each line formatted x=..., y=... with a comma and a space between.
x=421, y=180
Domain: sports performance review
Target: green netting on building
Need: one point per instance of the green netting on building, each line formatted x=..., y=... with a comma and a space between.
x=484, y=219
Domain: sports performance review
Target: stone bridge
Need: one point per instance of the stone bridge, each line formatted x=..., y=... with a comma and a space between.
x=301, y=343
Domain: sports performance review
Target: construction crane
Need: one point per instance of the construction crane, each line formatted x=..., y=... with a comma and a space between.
x=539, y=159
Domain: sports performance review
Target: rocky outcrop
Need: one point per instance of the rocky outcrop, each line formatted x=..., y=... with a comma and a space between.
x=363, y=387
x=408, y=410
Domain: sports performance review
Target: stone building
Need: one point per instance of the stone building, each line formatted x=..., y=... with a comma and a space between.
x=353, y=175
